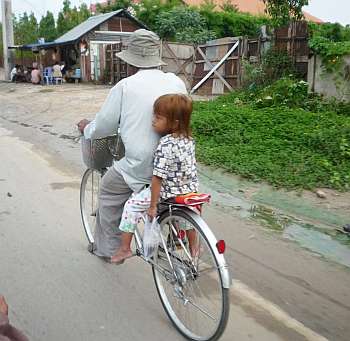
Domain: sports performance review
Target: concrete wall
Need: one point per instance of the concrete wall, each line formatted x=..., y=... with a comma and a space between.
x=328, y=84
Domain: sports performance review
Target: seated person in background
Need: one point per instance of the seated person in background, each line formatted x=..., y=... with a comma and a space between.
x=8, y=332
x=13, y=74
x=57, y=73
x=35, y=76
x=63, y=68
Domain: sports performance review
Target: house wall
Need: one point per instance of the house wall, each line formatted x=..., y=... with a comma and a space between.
x=329, y=84
x=94, y=61
x=122, y=24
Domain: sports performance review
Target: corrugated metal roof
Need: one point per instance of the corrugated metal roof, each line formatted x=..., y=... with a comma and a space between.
x=78, y=31
x=86, y=26
x=35, y=46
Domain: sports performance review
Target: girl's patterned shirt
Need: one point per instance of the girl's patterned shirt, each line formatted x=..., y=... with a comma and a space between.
x=175, y=163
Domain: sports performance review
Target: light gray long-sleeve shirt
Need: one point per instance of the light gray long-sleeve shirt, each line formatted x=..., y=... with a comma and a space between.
x=131, y=101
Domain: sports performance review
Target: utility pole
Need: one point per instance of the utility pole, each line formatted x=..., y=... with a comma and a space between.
x=7, y=36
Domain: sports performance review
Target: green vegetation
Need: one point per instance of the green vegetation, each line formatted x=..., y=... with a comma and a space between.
x=171, y=19
x=331, y=42
x=69, y=17
x=27, y=30
x=231, y=23
x=175, y=21
x=284, y=11
x=274, y=65
x=183, y=24
x=279, y=134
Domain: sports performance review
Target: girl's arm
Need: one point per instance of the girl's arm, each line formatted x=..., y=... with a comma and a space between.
x=155, y=193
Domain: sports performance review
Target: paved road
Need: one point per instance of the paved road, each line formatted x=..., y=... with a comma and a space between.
x=58, y=291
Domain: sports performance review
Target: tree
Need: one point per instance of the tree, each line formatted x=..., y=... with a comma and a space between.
x=283, y=11
x=113, y=6
x=147, y=11
x=25, y=29
x=183, y=24
x=232, y=23
x=227, y=6
x=84, y=12
x=66, y=6
x=69, y=17
x=62, y=24
x=47, y=27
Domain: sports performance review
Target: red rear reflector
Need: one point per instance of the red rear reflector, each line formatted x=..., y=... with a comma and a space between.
x=181, y=234
x=220, y=245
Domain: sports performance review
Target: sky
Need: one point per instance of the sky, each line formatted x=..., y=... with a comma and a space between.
x=327, y=10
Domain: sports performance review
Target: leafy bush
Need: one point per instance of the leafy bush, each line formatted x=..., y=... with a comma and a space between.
x=183, y=24
x=284, y=92
x=277, y=63
x=147, y=11
x=284, y=11
x=331, y=42
x=288, y=92
x=231, y=23
x=274, y=65
x=286, y=147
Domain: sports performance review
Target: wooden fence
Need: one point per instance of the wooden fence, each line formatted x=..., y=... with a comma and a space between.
x=294, y=40
x=216, y=67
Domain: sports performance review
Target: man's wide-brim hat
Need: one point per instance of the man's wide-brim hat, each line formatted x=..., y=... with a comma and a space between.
x=143, y=50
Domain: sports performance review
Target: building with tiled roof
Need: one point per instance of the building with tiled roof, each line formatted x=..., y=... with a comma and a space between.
x=254, y=7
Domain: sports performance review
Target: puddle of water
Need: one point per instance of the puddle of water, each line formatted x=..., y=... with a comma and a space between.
x=299, y=207
x=269, y=218
x=325, y=241
x=335, y=248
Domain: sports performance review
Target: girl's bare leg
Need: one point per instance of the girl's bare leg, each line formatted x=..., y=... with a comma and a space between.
x=124, y=251
x=193, y=242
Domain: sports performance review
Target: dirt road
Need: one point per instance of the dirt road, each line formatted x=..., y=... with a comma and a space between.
x=43, y=253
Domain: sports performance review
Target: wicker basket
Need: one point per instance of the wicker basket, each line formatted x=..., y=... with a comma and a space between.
x=100, y=153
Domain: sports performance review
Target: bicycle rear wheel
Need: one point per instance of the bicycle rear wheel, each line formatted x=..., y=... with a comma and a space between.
x=89, y=189
x=191, y=285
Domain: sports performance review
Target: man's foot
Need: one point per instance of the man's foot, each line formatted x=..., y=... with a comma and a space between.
x=121, y=256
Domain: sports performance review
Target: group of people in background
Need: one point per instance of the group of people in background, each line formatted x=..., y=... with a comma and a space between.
x=34, y=75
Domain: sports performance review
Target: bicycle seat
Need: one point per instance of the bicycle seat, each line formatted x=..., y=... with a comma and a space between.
x=192, y=199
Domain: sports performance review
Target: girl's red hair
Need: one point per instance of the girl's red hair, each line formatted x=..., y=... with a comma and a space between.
x=177, y=108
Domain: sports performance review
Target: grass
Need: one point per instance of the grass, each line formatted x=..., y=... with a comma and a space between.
x=287, y=147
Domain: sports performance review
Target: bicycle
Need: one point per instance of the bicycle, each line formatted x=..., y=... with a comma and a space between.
x=193, y=286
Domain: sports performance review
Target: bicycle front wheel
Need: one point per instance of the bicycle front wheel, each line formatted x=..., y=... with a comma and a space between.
x=188, y=279
x=89, y=189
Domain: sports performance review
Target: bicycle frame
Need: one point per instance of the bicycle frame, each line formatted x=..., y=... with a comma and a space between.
x=139, y=252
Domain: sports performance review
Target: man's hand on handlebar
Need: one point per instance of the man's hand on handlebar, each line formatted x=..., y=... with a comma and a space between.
x=82, y=124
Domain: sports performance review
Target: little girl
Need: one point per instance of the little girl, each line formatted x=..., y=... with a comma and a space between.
x=174, y=167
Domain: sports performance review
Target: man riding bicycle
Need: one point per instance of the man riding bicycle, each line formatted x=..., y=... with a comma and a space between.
x=129, y=106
